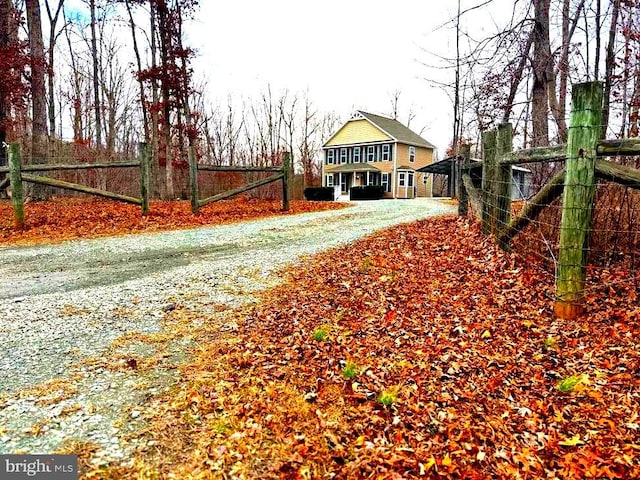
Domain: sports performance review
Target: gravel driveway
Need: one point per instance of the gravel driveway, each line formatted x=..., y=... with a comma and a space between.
x=62, y=307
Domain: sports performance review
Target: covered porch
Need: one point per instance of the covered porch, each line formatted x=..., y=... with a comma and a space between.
x=343, y=177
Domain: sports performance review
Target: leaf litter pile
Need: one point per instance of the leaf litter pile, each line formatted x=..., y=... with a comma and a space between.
x=423, y=351
x=68, y=218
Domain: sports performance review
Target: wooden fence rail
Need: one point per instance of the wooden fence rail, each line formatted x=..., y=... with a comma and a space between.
x=18, y=174
x=282, y=173
x=576, y=183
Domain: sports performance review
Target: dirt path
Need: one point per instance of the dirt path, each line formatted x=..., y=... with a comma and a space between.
x=28, y=271
x=65, y=310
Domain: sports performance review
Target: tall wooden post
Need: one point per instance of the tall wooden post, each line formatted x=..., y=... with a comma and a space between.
x=286, y=180
x=503, y=182
x=489, y=140
x=577, y=202
x=193, y=179
x=143, y=156
x=15, y=180
x=463, y=162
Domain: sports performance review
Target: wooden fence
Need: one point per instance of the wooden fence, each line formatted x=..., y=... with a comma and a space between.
x=283, y=173
x=576, y=183
x=18, y=174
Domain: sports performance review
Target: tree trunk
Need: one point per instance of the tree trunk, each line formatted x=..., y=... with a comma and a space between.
x=96, y=76
x=559, y=103
x=634, y=109
x=165, y=46
x=53, y=36
x=517, y=78
x=596, y=70
x=78, y=130
x=143, y=97
x=154, y=167
x=610, y=61
x=542, y=71
x=6, y=13
x=39, y=140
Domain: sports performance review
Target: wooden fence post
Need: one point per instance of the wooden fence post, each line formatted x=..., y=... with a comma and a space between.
x=488, y=180
x=143, y=156
x=15, y=180
x=577, y=201
x=463, y=199
x=286, y=180
x=503, y=182
x=193, y=179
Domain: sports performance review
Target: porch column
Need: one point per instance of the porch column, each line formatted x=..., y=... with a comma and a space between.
x=367, y=184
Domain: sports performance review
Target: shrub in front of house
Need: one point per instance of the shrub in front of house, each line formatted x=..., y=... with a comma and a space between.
x=319, y=194
x=370, y=192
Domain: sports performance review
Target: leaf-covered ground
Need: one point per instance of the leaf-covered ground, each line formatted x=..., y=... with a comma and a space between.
x=69, y=218
x=421, y=352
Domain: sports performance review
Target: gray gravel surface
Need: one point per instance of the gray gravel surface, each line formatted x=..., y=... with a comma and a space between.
x=62, y=306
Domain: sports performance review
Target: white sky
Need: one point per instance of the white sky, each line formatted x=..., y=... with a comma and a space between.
x=348, y=54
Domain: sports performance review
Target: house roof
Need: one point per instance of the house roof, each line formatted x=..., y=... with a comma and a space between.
x=406, y=167
x=352, y=167
x=443, y=167
x=393, y=128
x=396, y=130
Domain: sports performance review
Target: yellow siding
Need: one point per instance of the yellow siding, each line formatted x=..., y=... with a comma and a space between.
x=357, y=131
x=424, y=156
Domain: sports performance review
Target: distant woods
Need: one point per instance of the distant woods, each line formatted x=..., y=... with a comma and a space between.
x=92, y=82
x=523, y=71
x=91, y=79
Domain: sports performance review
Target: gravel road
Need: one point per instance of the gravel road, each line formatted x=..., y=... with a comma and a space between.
x=62, y=305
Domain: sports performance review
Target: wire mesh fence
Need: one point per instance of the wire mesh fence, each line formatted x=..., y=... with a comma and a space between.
x=608, y=256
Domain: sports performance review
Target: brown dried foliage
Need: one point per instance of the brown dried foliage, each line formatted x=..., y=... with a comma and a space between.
x=480, y=380
x=69, y=218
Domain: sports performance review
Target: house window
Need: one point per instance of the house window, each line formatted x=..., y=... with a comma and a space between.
x=386, y=152
x=329, y=180
x=385, y=182
x=401, y=179
x=410, y=179
x=371, y=153
x=356, y=154
x=331, y=156
x=344, y=155
x=372, y=179
x=412, y=154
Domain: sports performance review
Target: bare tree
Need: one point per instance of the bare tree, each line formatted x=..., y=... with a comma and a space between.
x=96, y=75
x=609, y=66
x=39, y=140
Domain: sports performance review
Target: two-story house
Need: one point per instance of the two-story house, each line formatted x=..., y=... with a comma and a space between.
x=374, y=150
